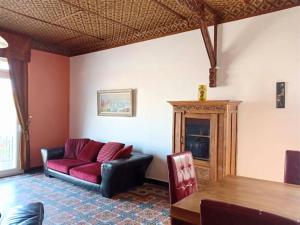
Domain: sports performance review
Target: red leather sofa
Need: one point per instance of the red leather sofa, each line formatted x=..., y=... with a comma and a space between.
x=107, y=167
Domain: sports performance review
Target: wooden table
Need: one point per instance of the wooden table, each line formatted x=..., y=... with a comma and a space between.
x=278, y=198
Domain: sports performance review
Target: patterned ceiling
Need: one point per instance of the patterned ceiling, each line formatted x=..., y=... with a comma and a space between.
x=73, y=27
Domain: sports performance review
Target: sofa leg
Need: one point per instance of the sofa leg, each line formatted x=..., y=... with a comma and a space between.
x=47, y=175
x=106, y=194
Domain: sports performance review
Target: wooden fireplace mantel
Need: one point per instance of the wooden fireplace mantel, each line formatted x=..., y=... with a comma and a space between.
x=221, y=115
x=218, y=106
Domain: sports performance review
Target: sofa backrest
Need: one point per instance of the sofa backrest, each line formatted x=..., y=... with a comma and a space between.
x=90, y=151
x=74, y=146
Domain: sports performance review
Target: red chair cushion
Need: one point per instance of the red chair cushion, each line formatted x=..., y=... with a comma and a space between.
x=216, y=213
x=64, y=165
x=90, y=172
x=73, y=147
x=90, y=151
x=123, y=153
x=182, y=177
x=108, y=151
x=292, y=167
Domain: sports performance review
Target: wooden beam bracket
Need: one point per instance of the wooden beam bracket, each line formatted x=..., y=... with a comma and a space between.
x=212, y=53
x=199, y=6
x=211, y=47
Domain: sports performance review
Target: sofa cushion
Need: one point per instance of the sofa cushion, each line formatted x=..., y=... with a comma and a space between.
x=108, y=151
x=64, y=165
x=123, y=153
x=73, y=147
x=90, y=151
x=90, y=172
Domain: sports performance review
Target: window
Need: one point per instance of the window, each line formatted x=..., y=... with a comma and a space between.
x=3, y=64
x=9, y=135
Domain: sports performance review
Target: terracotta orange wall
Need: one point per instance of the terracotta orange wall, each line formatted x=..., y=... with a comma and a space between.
x=48, y=83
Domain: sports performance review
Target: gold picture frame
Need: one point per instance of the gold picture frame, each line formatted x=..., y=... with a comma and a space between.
x=117, y=102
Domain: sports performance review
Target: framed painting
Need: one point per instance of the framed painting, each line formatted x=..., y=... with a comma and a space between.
x=115, y=102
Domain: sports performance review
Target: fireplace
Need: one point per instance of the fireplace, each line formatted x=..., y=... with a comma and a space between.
x=207, y=129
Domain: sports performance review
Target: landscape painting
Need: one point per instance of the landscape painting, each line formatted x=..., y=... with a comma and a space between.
x=115, y=102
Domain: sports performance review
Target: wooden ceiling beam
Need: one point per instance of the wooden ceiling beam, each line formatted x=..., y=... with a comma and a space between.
x=68, y=16
x=50, y=23
x=68, y=39
x=169, y=9
x=198, y=6
x=99, y=15
x=211, y=9
x=50, y=47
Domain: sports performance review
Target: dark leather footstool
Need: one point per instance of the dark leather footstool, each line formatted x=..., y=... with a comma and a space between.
x=31, y=214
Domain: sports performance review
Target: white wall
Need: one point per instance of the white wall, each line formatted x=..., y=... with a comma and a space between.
x=254, y=53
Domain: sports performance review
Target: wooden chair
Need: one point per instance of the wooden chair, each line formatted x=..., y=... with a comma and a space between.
x=182, y=177
x=220, y=213
x=292, y=167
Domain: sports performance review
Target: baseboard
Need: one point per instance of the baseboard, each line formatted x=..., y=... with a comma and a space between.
x=10, y=173
x=34, y=169
x=156, y=182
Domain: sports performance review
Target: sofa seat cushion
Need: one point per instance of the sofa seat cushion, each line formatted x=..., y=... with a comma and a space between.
x=90, y=151
x=64, y=165
x=108, y=151
x=74, y=146
x=90, y=172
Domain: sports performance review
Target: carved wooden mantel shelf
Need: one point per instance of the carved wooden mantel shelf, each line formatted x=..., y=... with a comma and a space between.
x=215, y=106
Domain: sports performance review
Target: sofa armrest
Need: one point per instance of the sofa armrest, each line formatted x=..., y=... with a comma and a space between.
x=32, y=213
x=51, y=153
x=122, y=174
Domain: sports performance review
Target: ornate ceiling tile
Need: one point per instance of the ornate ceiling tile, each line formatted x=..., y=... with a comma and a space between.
x=39, y=30
x=50, y=10
x=73, y=27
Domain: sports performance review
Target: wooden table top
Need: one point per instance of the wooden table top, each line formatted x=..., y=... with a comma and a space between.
x=274, y=197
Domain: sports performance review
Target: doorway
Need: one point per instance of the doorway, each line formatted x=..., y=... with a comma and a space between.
x=9, y=126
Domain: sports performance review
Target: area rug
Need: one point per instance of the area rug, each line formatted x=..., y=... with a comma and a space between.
x=68, y=204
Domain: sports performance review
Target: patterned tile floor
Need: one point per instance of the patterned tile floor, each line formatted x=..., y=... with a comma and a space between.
x=69, y=204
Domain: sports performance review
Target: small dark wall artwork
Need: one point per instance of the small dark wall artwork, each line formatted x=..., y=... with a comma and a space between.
x=280, y=95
